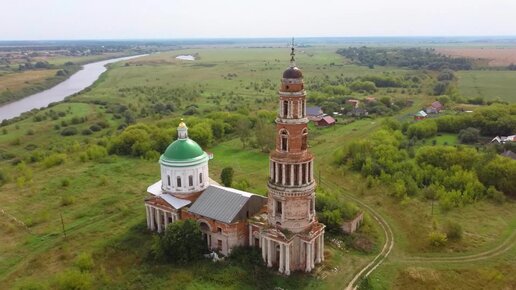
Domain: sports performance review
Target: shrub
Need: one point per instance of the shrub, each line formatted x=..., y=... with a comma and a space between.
x=3, y=177
x=96, y=152
x=54, y=160
x=95, y=128
x=226, y=176
x=469, y=135
x=70, y=131
x=496, y=195
x=67, y=200
x=74, y=280
x=65, y=182
x=86, y=132
x=453, y=230
x=84, y=262
x=437, y=239
x=182, y=242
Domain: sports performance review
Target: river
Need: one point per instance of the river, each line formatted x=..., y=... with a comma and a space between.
x=74, y=84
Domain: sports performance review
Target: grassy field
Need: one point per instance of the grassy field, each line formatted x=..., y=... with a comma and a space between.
x=488, y=84
x=102, y=201
x=492, y=56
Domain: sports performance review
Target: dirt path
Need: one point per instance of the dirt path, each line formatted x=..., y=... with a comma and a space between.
x=387, y=247
x=505, y=246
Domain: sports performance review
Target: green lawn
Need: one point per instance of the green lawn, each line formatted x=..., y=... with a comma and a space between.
x=488, y=84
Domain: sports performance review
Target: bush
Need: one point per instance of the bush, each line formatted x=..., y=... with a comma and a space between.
x=84, y=262
x=437, y=239
x=70, y=131
x=96, y=152
x=95, y=128
x=54, y=160
x=67, y=200
x=86, y=132
x=226, y=176
x=65, y=182
x=74, y=280
x=469, y=135
x=182, y=242
x=453, y=231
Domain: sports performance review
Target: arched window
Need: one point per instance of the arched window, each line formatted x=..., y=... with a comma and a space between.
x=284, y=140
x=304, y=139
x=200, y=177
x=190, y=180
x=178, y=181
x=285, y=109
x=168, y=179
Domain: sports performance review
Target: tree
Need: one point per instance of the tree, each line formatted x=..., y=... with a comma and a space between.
x=182, y=242
x=440, y=88
x=264, y=133
x=469, y=135
x=243, y=131
x=226, y=176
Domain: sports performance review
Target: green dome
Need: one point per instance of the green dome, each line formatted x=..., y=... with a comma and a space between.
x=183, y=150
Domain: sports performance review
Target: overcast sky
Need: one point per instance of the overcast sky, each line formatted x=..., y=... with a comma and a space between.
x=123, y=19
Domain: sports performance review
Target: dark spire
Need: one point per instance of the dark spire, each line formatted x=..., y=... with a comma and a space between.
x=292, y=54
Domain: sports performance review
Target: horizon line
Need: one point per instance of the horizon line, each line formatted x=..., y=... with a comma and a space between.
x=262, y=38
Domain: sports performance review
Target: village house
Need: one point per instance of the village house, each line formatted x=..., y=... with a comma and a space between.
x=314, y=113
x=357, y=112
x=503, y=139
x=435, y=108
x=353, y=102
x=420, y=115
x=325, y=121
x=509, y=154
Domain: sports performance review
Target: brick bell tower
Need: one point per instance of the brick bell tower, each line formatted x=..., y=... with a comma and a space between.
x=291, y=238
x=291, y=184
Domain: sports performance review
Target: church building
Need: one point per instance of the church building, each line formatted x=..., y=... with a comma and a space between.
x=284, y=225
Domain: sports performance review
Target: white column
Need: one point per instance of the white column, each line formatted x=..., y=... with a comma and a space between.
x=287, y=260
x=283, y=177
x=276, y=177
x=264, y=249
x=152, y=218
x=300, y=174
x=322, y=247
x=158, y=219
x=308, y=255
x=312, y=258
x=306, y=173
x=318, y=251
x=281, y=258
x=291, y=174
x=147, y=216
x=166, y=219
x=269, y=253
x=282, y=211
x=271, y=171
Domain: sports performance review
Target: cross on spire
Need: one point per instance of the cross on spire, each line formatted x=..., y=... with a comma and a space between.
x=292, y=54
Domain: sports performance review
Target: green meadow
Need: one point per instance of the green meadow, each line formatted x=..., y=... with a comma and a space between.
x=488, y=84
x=101, y=201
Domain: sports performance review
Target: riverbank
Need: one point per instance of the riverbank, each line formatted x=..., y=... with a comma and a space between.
x=74, y=84
x=17, y=85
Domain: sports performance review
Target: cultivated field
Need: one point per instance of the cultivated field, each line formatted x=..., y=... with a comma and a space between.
x=494, y=57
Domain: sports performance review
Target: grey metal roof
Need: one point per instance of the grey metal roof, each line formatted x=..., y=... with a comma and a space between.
x=313, y=111
x=221, y=203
